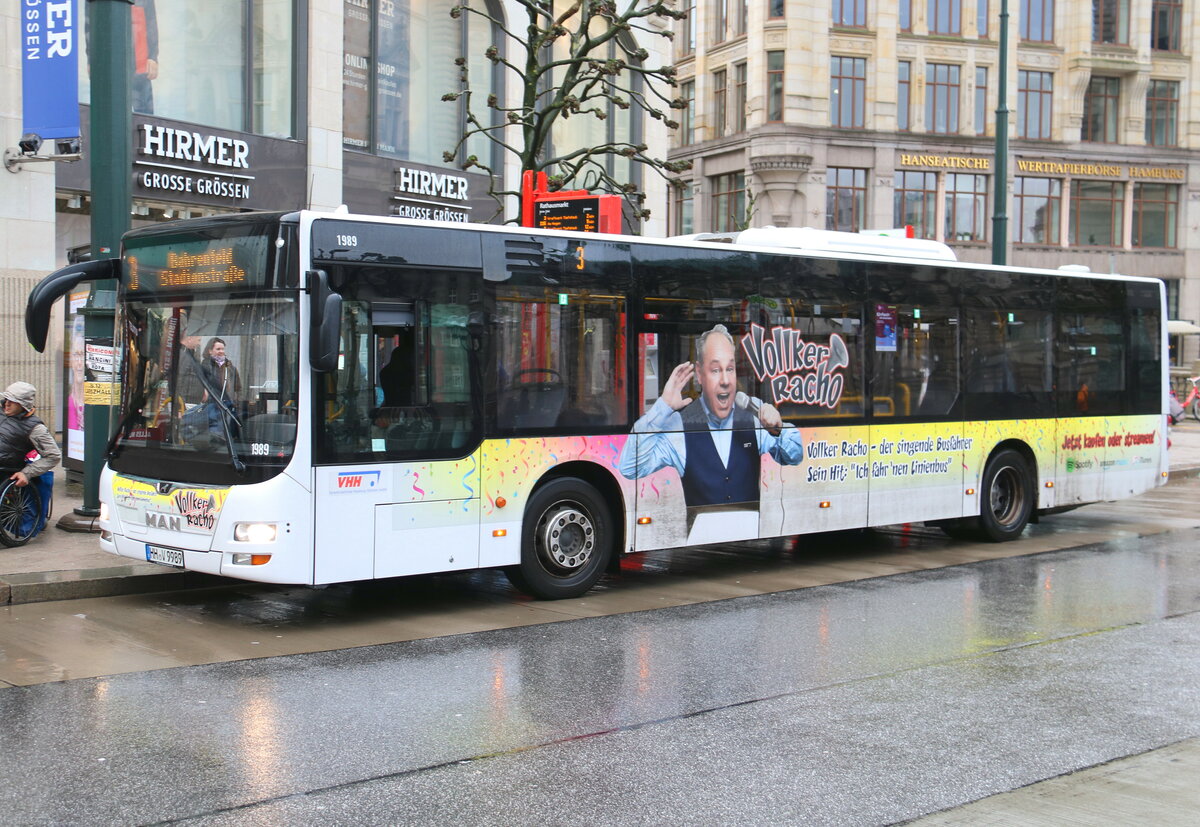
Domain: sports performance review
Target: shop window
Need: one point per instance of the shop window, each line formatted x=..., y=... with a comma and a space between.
x=1097, y=213
x=916, y=202
x=966, y=207
x=1155, y=214
x=230, y=67
x=729, y=202
x=682, y=213
x=845, y=199
x=1037, y=208
x=399, y=62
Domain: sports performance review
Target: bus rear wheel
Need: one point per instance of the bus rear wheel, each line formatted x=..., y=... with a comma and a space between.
x=566, y=542
x=1006, y=496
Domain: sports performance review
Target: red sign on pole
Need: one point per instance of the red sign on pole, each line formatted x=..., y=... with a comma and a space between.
x=574, y=210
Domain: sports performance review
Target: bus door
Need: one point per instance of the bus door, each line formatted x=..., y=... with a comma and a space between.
x=806, y=349
x=398, y=491
x=916, y=437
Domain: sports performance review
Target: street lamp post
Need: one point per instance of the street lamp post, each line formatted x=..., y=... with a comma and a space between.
x=110, y=57
x=1000, y=213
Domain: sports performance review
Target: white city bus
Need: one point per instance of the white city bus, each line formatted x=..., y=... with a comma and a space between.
x=414, y=397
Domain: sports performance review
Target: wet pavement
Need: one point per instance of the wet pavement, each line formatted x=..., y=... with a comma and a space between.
x=868, y=702
x=905, y=678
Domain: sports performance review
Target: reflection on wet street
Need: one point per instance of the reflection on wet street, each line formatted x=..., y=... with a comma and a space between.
x=691, y=688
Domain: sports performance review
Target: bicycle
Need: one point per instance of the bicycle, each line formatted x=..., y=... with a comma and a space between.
x=1192, y=403
x=20, y=513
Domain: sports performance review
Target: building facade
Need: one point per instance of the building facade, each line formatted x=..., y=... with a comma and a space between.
x=243, y=105
x=853, y=115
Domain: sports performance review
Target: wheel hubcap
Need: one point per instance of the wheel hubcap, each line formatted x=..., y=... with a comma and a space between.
x=1006, y=496
x=566, y=537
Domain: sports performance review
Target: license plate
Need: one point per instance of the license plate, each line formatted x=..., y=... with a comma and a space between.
x=164, y=556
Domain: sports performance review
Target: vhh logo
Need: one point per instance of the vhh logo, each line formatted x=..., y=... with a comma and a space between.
x=357, y=481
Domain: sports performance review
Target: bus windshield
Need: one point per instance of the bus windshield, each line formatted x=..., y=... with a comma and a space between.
x=208, y=386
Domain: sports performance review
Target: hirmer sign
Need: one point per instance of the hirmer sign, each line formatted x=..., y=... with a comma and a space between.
x=164, y=142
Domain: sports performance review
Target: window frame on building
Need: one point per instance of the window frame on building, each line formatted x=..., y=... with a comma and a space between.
x=959, y=200
x=904, y=96
x=775, y=86
x=849, y=14
x=1036, y=21
x=687, y=115
x=1162, y=110
x=1110, y=101
x=741, y=76
x=1166, y=25
x=1023, y=201
x=1168, y=219
x=852, y=107
x=857, y=189
x=686, y=42
x=720, y=99
x=904, y=16
x=1110, y=22
x=776, y=9
x=1035, y=105
x=1081, y=206
x=728, y=201
x=915, y=187
x=944, y=17
x=982, y=17
x=949, y=90
x=682, y=218
x=981, y=94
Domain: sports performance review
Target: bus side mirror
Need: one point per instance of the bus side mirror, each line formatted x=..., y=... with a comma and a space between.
x=324, y=323
x=56, y=285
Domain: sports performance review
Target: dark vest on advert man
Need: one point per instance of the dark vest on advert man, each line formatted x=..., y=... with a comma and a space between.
x=706, y=480
x=14, y=440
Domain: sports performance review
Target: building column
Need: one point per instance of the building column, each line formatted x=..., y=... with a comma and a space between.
x=324, y=183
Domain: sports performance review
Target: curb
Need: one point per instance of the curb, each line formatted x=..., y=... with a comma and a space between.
x=37, y=587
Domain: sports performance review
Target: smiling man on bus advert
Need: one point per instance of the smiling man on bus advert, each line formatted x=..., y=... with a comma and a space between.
x=714, y=442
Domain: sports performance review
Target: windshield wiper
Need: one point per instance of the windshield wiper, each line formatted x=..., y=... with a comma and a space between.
x=225, y=408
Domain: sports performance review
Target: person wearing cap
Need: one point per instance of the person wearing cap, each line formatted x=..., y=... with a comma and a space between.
x=21, y=431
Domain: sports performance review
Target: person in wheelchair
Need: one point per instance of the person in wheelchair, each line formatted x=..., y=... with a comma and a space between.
x=27, y=483
x=22, y=432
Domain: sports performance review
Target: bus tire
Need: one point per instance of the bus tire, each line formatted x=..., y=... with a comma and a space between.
x=1006, y=496
x=566, y=541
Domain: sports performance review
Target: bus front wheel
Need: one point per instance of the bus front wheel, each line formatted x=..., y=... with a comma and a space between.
x=566, y=541
x=1006, y=496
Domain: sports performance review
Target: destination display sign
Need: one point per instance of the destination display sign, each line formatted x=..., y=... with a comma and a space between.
x=188, y=262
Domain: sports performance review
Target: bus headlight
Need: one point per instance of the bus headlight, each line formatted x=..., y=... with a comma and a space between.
x=254, y=532
x=104, y=512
